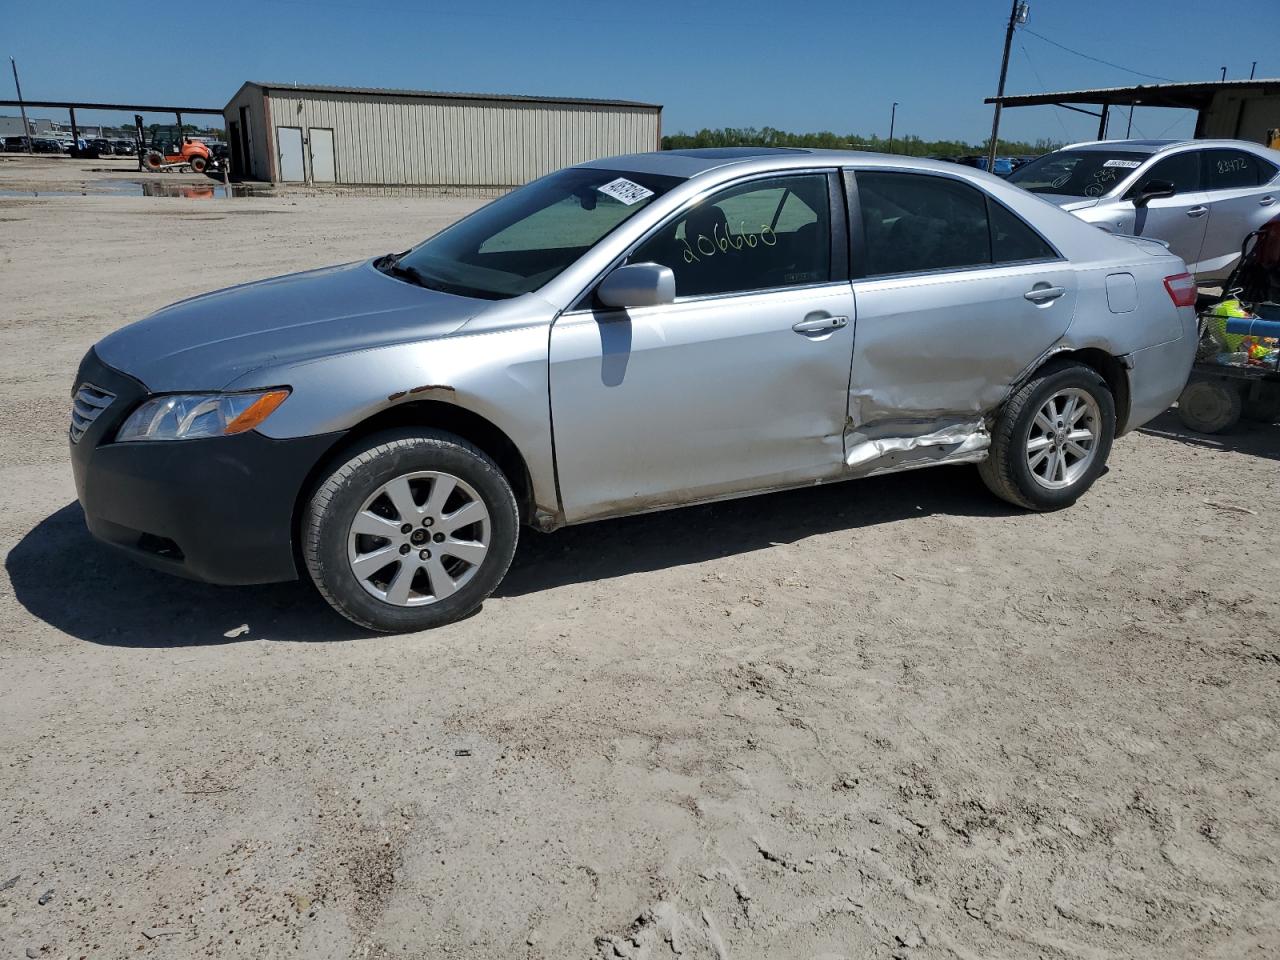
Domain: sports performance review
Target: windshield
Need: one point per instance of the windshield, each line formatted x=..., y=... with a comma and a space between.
x=1078, y=173
x=523, y=240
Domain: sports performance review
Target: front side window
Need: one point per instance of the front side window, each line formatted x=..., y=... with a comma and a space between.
x=1077, y=173
x=757, y=235
x=1181, y=169
x=1233, y=169
x=523, y=240
x=913, y=222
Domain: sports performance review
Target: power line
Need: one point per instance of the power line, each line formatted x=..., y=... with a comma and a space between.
x=1043, y=88
x=1107, y=63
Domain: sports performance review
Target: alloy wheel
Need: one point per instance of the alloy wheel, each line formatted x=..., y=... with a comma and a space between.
x=1063, y=438
x=419, y=538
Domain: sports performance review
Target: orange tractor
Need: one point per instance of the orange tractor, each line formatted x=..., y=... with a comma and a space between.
x=171, y=149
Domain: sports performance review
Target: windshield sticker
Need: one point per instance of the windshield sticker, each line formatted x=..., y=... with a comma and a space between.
x=1125, y=164
x=625, y=191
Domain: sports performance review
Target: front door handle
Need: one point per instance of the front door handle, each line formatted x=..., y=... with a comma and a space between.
x=1197, y=211
x=1044, y=294
x=1266, y=201
x=820, y=324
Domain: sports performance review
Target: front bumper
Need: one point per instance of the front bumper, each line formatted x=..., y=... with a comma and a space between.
x=219, y=510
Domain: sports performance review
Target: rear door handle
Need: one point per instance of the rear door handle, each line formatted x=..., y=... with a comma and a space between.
x=1044, y=294
x=1266, y=201
x=1197, y=211
x=820, y=324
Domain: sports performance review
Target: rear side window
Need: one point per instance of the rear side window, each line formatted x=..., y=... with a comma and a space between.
x=1182, y=170
x=758, y=235
x=1232, y=169
x=1012, y=240
x=914, y=222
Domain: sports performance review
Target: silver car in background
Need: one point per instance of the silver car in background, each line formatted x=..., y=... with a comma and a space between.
x=626, y=335
x=1201, y=197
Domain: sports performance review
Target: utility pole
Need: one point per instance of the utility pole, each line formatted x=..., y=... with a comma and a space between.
x=26, y=129
x=1252, y=69
x=1017, y=15
x=893, y=115
x=1224, y=73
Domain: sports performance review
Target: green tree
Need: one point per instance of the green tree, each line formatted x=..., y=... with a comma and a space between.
x=907, y=145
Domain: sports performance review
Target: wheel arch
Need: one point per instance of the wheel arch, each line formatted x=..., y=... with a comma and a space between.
x=1106, y=365
x=467, y=424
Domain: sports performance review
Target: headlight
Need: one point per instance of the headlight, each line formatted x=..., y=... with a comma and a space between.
x=187, y=416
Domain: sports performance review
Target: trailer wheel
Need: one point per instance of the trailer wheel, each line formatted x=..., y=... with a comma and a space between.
x=1210, y=406
x=154, y=160
x=198, y=164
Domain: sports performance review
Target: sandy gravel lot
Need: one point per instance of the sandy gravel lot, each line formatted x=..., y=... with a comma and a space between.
x=892, y=718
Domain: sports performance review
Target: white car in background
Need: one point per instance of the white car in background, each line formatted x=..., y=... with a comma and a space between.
x=1201, y=197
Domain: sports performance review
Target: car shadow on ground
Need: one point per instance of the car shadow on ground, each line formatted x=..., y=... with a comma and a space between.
x=64, y=577
x=1249, y=437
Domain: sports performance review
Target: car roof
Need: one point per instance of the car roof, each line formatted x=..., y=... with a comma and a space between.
x=687, y=164
x=1150, y=147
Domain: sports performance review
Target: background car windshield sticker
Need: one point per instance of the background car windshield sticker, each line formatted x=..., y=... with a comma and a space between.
x=1126, y=164
x=625, y=191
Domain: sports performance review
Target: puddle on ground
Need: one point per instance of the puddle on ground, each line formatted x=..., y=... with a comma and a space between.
x=152, y=188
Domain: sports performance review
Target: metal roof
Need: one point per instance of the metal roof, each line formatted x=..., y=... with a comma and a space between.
x=444, y=95
x=122, y=107
x=1190, y=95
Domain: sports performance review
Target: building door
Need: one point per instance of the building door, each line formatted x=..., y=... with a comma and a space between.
x=323, y=169
x=289, y=143
x=246, y=137
x=237, y=156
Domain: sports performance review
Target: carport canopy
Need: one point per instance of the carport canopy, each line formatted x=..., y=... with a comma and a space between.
x=1193, y=95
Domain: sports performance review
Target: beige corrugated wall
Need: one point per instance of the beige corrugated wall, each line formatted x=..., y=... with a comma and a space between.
x=423, y=141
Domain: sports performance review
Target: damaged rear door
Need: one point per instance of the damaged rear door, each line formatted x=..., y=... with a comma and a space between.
x=956, y=296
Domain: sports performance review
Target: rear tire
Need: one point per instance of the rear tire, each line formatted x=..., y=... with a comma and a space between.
x=1051, y=439
x=443, y=528
x=198, y=164
x=1210, y=406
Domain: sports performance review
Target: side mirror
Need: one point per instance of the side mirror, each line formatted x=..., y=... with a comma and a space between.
x=1154, y=190
x=638, y=285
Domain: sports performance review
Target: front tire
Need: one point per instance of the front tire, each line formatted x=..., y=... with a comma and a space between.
x=1051, y=440
x=412, y=531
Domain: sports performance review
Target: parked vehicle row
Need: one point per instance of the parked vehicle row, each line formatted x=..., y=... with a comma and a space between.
x=100, y=146
x=625, y=335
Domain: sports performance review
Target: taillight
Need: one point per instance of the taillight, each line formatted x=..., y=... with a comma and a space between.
x=1182, y=289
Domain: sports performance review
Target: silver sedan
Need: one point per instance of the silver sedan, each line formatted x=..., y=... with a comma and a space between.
x=627, y=335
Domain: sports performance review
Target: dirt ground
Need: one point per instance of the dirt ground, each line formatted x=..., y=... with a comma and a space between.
x=890, y=718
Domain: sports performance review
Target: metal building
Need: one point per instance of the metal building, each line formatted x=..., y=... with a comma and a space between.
x=296, y=133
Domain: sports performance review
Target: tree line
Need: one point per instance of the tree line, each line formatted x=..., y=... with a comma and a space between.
x=907, y=145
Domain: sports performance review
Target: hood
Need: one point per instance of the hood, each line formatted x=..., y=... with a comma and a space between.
x=1069, y=203
x=206, y=342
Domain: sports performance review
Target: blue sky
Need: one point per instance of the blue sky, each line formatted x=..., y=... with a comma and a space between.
x=802, y=65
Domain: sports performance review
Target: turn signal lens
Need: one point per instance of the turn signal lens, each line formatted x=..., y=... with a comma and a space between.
x=1182, y=289
x=256, y=412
